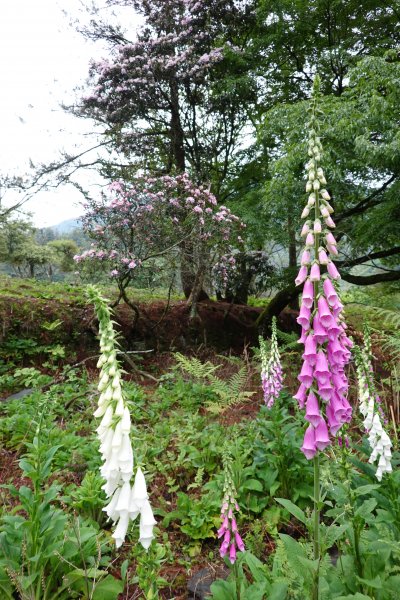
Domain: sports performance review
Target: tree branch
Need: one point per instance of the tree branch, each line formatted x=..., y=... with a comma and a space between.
x=362, y=259
x=366, y=202
x=371, y=279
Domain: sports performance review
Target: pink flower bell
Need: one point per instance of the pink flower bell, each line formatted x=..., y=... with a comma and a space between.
x=306, y=374
x=309, y=448
x=301, y=275
x=330, y=239
x=310, y=239
x=312, y=410
x=317, y=226
x=301, y=395
x=310, y=349
x=305, y=258
x=332, y=270
x=308, y=294
x=232, y=553
x=320, y=333
x=304, y=317
x=324, y=313
x=239, y=542
x=314, y=273
x=321, y=435
x=330, y=292
x=325, y=390
x=321, y=370
x=322, y=257
x=333, y=423
x=329, y=222
x=305, y=230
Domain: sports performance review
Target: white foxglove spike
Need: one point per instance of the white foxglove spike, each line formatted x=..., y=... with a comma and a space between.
x=126, y=501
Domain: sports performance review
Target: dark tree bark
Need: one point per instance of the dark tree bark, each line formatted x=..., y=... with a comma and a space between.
x=276, y=306
x=177, y=134
x=372, y=279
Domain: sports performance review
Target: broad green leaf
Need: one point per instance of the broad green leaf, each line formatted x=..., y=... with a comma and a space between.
x=108, y=589
x=253, y=484
x=293, y=509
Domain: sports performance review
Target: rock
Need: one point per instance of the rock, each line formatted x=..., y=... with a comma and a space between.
x=21, y=394
x=199, y=585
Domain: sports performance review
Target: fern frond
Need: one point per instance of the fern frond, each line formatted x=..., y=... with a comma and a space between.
x=391, y=318
x=194, y=367
x=229, y=392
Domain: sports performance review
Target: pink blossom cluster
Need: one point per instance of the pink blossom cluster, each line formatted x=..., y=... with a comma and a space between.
x=231, y=540
x=185, y=52
x=153, y=218
x=323, y=383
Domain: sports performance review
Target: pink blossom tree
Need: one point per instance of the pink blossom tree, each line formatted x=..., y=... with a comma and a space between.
x=176, y=98
x=145, y=226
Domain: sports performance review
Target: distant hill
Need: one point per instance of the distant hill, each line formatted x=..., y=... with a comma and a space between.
x=67, y=226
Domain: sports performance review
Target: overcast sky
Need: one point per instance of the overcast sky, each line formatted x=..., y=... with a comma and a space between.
x=42, y=61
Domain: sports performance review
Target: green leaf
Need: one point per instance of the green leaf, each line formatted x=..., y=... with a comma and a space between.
x=124, y=569
x=293, y=509
x=257, y=591
x=257, y=568
x=333, y=533
x=375, y=583
x=366, y=489
x=278, y=590
x=223, y=590
x=253, y=484
x=366, y=508
x=356, y=596
x=28, y=580
x=108, y=588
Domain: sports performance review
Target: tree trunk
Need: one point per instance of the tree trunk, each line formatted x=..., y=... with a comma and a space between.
x=189, y=277
x=197, y=293
x=276, y=306
x=177, y=134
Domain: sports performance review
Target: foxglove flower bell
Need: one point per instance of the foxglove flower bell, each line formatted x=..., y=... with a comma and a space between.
x=326, y=353
x=126, y=500
x=271, y=368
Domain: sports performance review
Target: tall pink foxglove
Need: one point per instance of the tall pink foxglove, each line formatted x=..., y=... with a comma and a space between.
x=323, y=383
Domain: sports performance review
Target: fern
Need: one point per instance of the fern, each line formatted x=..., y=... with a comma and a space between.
x=194, y=367
x=229, y=392
x=391, y=318
x=198, y=480
x=391, y=343
x=289, y=340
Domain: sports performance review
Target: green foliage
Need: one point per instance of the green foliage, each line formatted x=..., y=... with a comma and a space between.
x=148, y=566
x=229, y=391
x=249, y=580
x=279, y=464
x=88, y=499
x=199, y=517
x=44, y=553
